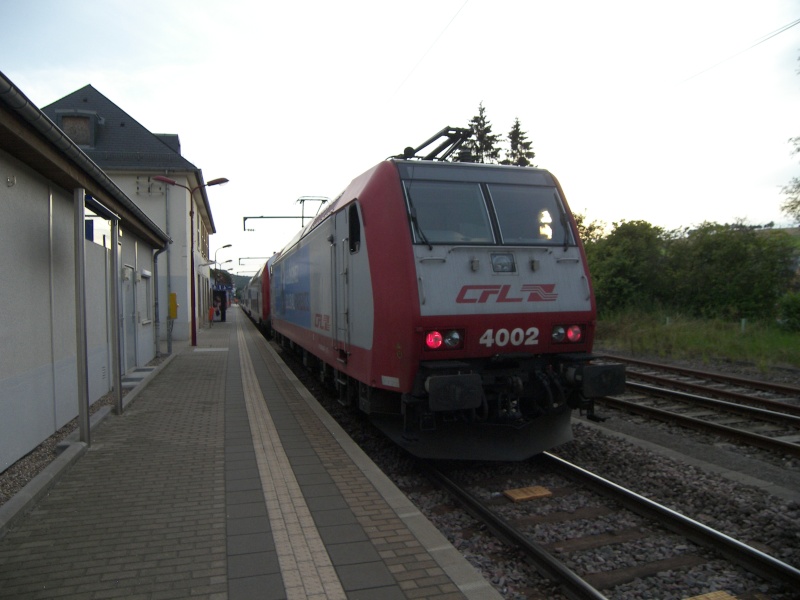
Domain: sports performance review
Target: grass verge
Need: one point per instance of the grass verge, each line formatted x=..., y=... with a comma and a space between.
x=676, y=337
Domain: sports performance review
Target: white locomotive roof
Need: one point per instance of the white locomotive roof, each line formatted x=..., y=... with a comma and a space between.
x=473, y=172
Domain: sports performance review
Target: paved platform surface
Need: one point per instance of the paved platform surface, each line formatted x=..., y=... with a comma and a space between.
x=224, y=479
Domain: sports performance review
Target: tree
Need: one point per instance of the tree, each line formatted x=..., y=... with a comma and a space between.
x=589, y=232
x=791, y=207
x=730, y=271
x=221, y=277
x=481, y=147
x=627, y=266
x=519, y=152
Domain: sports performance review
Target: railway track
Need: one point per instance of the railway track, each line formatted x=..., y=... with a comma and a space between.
x=752, y=412
x=589, y=536
x=576, y=563
x=642, y=367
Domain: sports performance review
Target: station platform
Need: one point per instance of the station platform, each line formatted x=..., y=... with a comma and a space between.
x=224, y=479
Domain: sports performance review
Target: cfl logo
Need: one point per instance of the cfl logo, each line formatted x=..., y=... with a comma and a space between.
x=481, y=294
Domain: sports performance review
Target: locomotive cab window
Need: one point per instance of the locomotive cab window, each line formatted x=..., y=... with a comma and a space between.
x=530, y=215
x=354, y=229
x=447, y=213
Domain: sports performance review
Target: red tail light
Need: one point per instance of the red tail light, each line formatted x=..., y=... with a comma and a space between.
x=567, y=333
x=450, y=339
x=434, y=340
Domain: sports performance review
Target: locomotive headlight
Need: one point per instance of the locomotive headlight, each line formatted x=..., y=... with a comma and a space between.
x=559, y=333
x=503, y=263
x=452, y=339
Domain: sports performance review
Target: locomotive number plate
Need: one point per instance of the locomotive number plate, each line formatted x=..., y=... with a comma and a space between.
x=515, y=337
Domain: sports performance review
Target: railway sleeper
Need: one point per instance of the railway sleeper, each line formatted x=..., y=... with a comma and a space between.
x=604, y=580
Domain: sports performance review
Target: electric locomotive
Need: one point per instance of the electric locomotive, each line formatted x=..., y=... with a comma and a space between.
x=449, y=301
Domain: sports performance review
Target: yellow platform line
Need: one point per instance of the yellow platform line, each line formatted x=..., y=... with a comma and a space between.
x=305, y=565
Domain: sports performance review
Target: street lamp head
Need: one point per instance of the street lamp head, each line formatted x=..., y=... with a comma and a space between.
x=169, y=181
x=226, y=246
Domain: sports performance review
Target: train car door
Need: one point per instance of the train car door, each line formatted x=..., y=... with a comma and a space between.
x=341, y=286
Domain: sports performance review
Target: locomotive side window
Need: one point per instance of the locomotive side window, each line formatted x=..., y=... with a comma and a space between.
x=447, y=213
x=354, y=229
x=530, y=215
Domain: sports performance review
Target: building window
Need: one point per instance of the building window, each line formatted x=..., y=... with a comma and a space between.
x=79, y=125
x=78, y=129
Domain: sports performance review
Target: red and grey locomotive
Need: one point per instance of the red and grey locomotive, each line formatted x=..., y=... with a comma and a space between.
x=449, y=301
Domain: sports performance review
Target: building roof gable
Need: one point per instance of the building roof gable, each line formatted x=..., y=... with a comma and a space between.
x=27, y=134
x=114, y=139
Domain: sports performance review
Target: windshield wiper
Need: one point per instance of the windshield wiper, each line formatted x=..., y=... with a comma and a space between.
x=413, y=213
x=564, y=221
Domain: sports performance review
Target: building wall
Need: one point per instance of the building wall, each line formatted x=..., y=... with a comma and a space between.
x=38, y=351
x=168, y=208
x=32, y=359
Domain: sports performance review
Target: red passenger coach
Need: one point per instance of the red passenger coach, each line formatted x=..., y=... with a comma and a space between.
x=451, y=302
x=255, y=299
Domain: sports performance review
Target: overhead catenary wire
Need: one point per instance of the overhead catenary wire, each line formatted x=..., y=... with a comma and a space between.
x=419, y=62
x=759, y=42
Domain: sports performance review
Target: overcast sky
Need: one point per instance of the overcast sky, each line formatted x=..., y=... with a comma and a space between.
x=671, y=112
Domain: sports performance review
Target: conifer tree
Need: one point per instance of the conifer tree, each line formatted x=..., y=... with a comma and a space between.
x=481, y=147
x=519, y=152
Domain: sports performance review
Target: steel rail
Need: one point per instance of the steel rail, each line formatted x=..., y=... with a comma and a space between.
x=746, y=556
x=733, y=407
x=754, y=383
x=777, y=405
x=571, y=583
x=753, y=439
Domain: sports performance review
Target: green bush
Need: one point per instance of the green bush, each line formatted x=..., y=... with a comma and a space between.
x=728, y=272
x=789, y=311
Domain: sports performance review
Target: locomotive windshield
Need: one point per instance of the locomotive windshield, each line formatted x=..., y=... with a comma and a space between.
x=448, y=213
x=444, y=212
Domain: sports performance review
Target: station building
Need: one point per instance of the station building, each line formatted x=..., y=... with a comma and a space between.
x=77, y=317
x=131, y=156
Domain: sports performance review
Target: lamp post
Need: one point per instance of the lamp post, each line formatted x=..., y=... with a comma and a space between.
x=218, y=249
x=191, y=191
x=213, y=262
